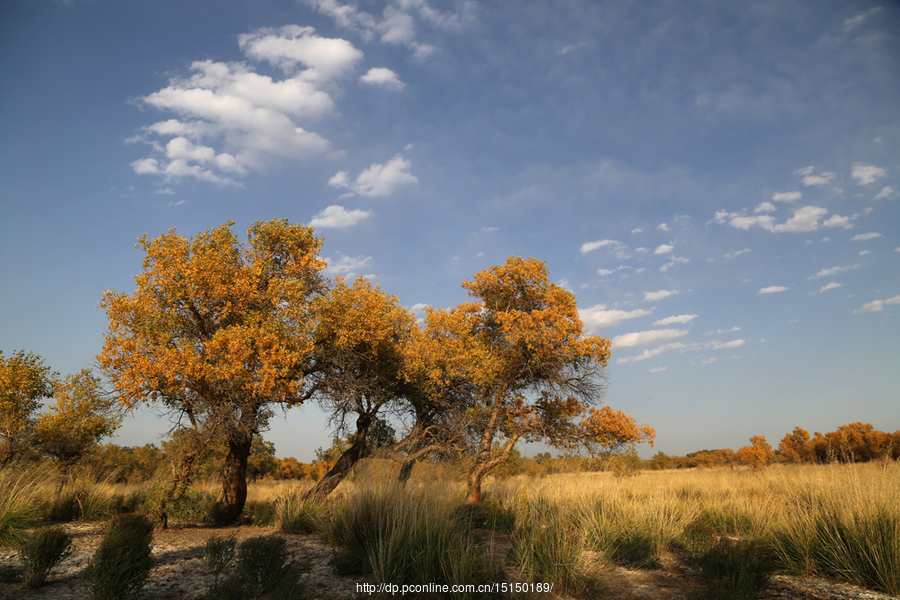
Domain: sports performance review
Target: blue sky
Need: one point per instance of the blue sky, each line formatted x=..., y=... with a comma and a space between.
x=717, y=182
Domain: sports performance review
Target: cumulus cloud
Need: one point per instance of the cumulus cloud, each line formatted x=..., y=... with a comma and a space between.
x=765, y=207
x=598, y=317
x=830, y=286
x=886, y=192
x=864, y=237
x=810, y=179
x=654, y=296
x=866, y=174
x=337, y=217
x=346, y=265
x=786, y=196
x=645, y=338
x=397, y=23
x=662, y=227
x=377, y=179
x=230, y=119
x=804, y=219
x=382, y=77
x=664, y=249
x=774, y=289
x=673, y=261
x=877, y=305
x=682, y=319
x=651, y=353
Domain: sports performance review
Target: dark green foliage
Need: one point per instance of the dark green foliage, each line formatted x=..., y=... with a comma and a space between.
x=122, y=563
x=217, y=554
x=45, y=550
x=698, y=537
x=11, y=574
x=486, y=514
x=734, y=570
x=261, y=569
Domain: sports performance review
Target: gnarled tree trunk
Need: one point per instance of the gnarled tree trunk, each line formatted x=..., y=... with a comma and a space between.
x=345, y=463
x=234, y=477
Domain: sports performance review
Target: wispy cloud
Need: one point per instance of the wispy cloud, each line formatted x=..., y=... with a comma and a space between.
x=591, y=246
x=645, y=338
x=773, y=289
x=347, y=266
x=866, y=174
x=680, y=319
x=864, y=237
x=829, y=286
x=598, y=317
x=877, y=305
x=651, y=353
x=809, y=179
x=834, y=271
x=804, y=219
x=654, y=296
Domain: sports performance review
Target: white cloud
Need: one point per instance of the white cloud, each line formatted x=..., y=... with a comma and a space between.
x=722, y=331
x=886, y=192
x=675, y=260
x=774, y=289
x=803, y=220
x=864, y=237
x=851, y=22
x=347, y=266
x=167, y=191
x=397, y=25
x=658, y=369
x=833, y=271
x=728, y=345
x=645, y=338
x=877, y=305
x=597, y=317
x=864, y=252
x=591, y=246
x=865, y=174
x=682, y=319
x=765, y=207
x=830, y=286
x=654, y=296
x=786, y=196
x=377, y=179
x=838, y=221
x=662, y=227
x=291, y=46
x=664, y=249
x=709, y=361
x=738, y=253
x=232, y=120
x=638, y=230
x=810, y=179
x=651, y=353
x=337, y=217
x=382, y=77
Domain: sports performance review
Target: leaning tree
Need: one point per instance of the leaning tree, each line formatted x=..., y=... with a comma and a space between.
x=522, y=350
x=219, y=333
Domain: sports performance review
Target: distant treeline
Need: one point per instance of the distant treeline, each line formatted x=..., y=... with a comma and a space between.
x=857, y=442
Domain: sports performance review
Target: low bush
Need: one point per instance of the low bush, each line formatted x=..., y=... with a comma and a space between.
x=122, y=562
x=261, y=569
x=295, y=514
x=42, y=552
x=734, y=570
x=217, y=554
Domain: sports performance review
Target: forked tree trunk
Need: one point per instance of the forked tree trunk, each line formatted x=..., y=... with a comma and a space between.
x=234, y=478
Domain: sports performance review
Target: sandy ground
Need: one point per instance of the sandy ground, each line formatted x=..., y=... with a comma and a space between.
x=177, y=572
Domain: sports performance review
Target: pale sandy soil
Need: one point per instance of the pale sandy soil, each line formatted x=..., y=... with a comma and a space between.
x=177, y=572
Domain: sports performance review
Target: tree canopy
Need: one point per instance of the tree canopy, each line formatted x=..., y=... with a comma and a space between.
x=24, y=381
x=218, y=332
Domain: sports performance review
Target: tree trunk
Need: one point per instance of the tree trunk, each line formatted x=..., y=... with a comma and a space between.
x=234, y=478
x=406, y=470
x=482, y=468
x=345, y=463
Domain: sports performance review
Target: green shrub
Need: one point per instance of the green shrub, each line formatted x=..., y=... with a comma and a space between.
x=122, y=562
x=217, y=554
x=549, y=552
x=261, y=569
x=43, y=551
x=21, y=492
x=635, y=549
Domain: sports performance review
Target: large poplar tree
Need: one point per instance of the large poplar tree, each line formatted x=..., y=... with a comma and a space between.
x=220, y=333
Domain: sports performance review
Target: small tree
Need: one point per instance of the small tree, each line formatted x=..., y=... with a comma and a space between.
x=24, y=380
x=791, y=446
x=81, y=416
x=758, y=454
x=523, y=352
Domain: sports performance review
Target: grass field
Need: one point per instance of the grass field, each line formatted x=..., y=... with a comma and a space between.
x=840, y=521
